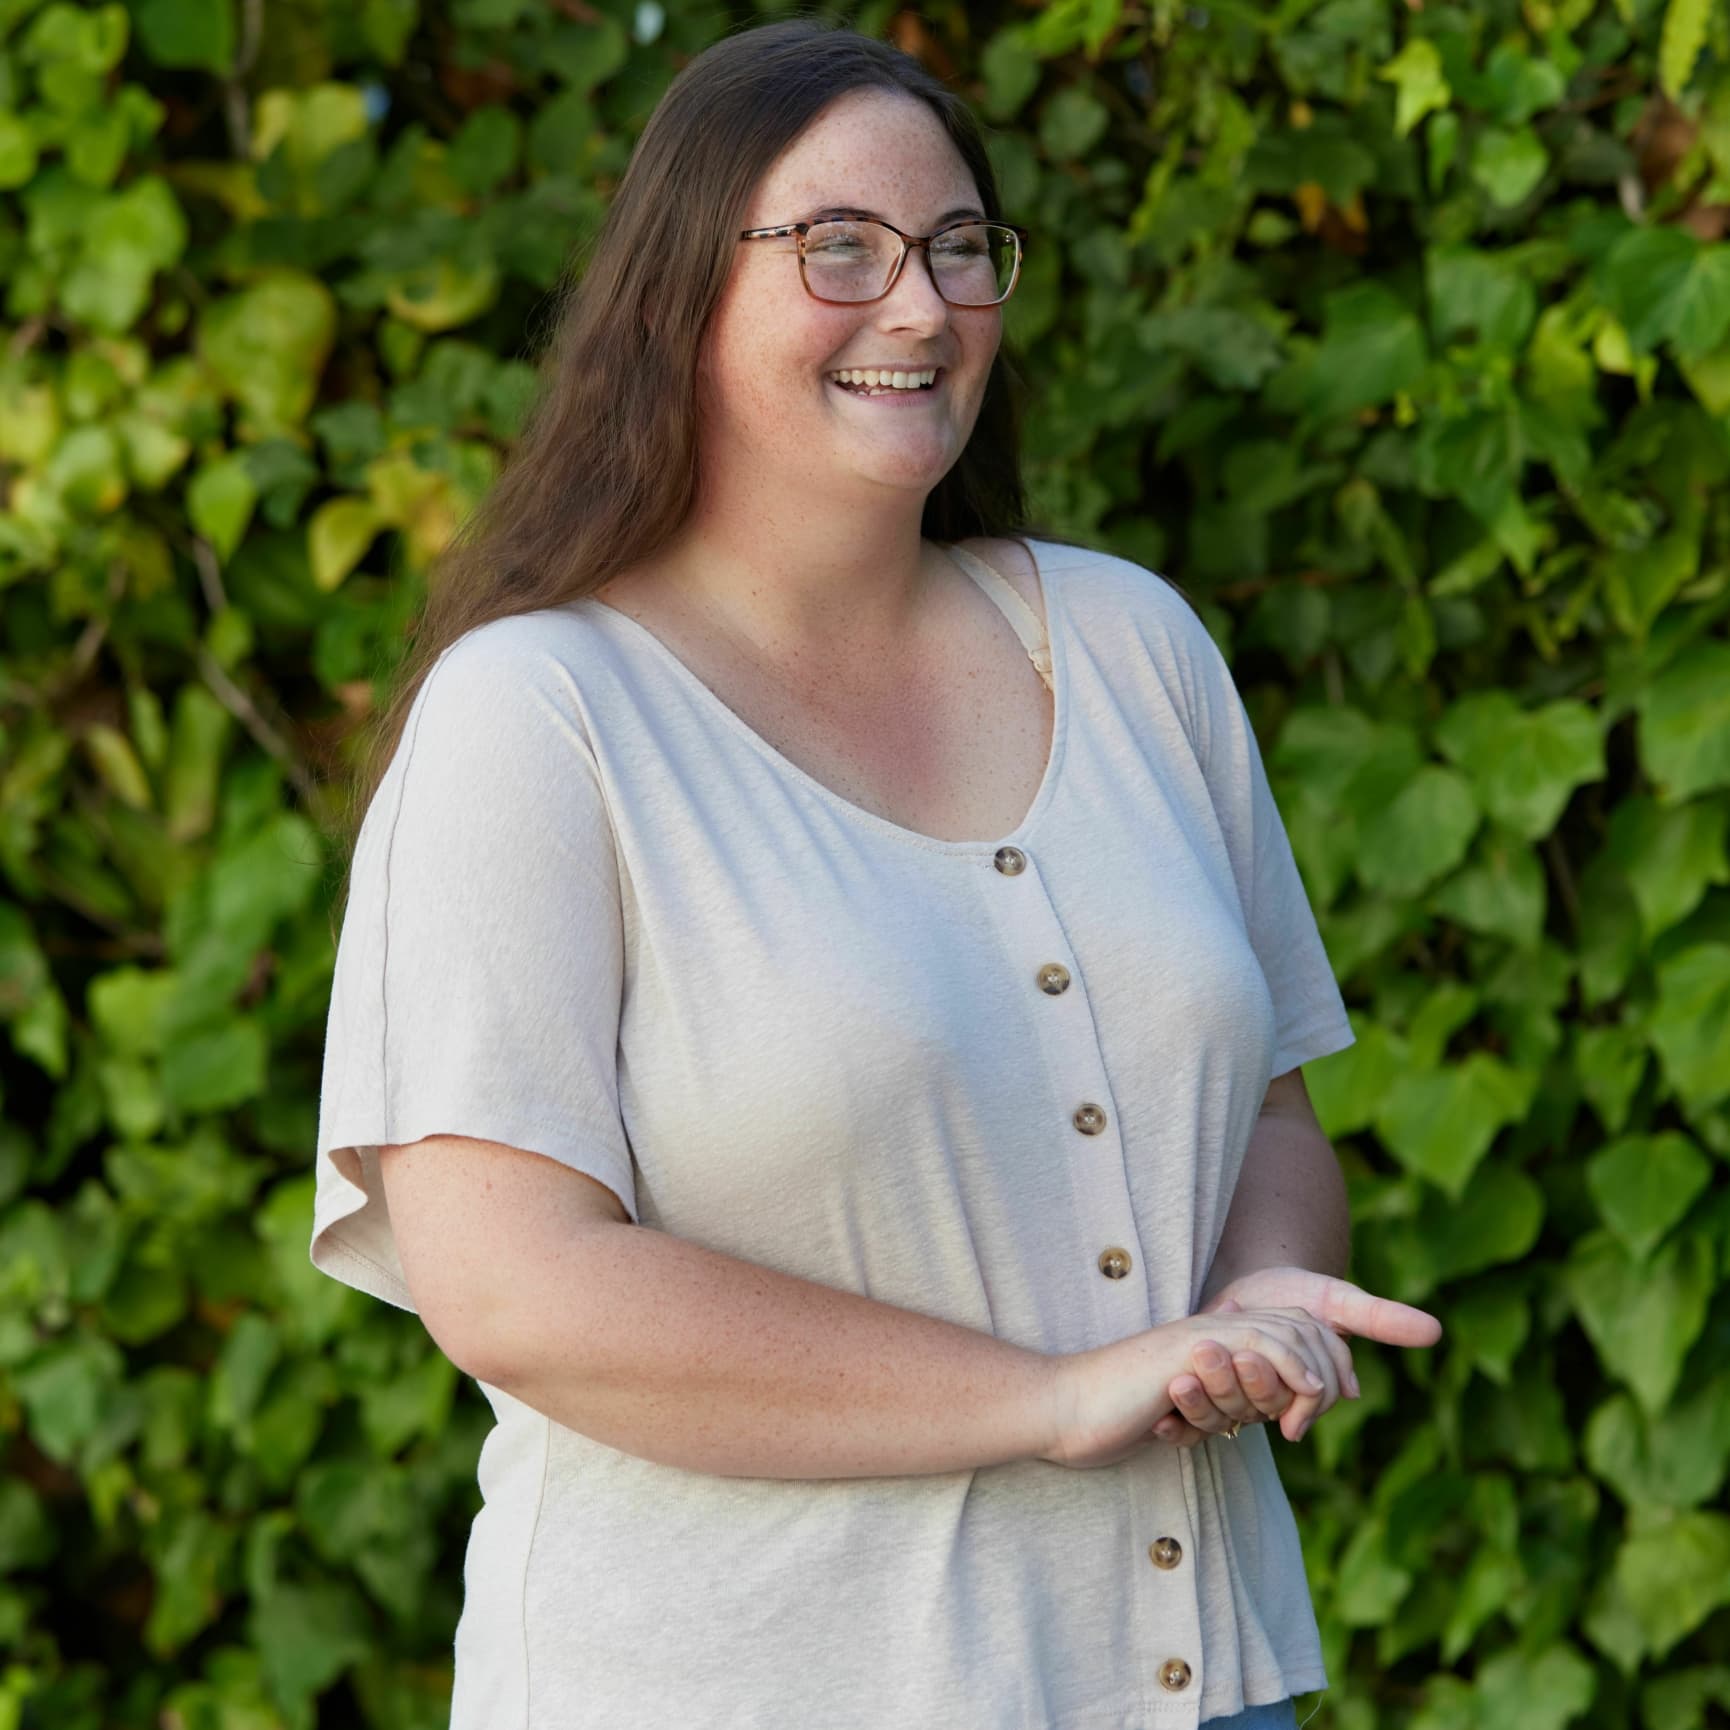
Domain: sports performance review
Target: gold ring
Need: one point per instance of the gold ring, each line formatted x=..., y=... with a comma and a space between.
x=1236, y=1425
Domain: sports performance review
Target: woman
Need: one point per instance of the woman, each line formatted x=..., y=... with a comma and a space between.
x=670, y=910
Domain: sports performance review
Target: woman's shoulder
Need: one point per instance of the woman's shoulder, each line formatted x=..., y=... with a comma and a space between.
x=1010, y=560
x=1086, y=572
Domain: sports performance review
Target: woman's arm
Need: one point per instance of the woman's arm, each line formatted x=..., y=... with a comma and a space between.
x=1289, y=1208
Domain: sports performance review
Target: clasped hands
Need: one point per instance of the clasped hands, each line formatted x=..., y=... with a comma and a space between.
x=1244, y=1386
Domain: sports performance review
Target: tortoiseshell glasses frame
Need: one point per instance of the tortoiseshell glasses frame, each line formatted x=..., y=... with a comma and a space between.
x=908, y=242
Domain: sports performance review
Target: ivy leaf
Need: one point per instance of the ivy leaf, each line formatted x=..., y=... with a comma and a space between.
x=1689, y=1026
x=220, y=500
x=1685, y=722
x=1368, y=1586
x=1677, y=1459
x=1642, y=1317
x=337, y=538
x=1609, y=1061
x=144, y=1301
x=1496, y=1220
x=65, y=1389
x=1665, y=285
x=267, y=345
x=1373, y=348
x=1420, y=84
x=1527, y=1425
x=1516, y=85
x=1668, y=855
x=1439, y=1123
x=1609, y=942
x=1524, y=765
x=1640, y=582
x=1675, y=1575
x=1492, y=1577
x=1678, y=1701
x=1071, y=123
x=216, y=1068
x=1611, y=1625
x=588, y=53
x=1508, y=164
x=248, y=1356
x=129, y=237
x=189, y=1556
x=1519, y=1690
x=307, y=1636
x=1488, y=1323
x=485, y=150
x=26, y=1532
x=415, y=1402
x=1643, y=1184
x=1348, y=1088
x=195, y=34
x=1422, y=835
x=1011, y=70
x=1502, y=893
x=1679, y=45
x=1479, y=294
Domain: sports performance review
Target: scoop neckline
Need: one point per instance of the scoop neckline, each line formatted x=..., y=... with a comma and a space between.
x=1055, y=640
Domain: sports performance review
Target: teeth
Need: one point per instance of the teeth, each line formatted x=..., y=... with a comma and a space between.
x=893, y=380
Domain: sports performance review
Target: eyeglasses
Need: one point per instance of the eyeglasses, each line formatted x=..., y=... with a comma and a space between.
x=859, y=259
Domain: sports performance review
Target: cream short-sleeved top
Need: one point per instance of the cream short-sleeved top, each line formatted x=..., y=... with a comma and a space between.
x=1005, y=1082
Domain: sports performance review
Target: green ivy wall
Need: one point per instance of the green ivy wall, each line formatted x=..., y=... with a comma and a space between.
x=1399, y=334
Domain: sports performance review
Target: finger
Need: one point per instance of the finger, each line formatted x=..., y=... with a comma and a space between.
x=1305, y=1366
x=1309, y=1406
x=1261, y=1383
x=1331, y=1347
x=1194, y=1402
x=1350, y=1309
x=1172, y=1428
x=1290, y=1340
x=1219, y=1377
x=1319, y=1337
x=1341, y=1354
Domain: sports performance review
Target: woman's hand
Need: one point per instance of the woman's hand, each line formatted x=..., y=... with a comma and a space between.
x=1245, y=1386
x=1223, y=1388
x=1103, y=1403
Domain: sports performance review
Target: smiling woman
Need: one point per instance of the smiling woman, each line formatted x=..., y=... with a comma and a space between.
x=817, y=951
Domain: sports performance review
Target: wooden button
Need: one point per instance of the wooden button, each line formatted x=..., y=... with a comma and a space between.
x=1053, y=978
x=1089, y=1118
x=1166, y=1552
x=1174, y=1674
x=1011, y=861
x=1115, y=1263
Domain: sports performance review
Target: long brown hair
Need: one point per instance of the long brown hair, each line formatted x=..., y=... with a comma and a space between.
x=604, y=470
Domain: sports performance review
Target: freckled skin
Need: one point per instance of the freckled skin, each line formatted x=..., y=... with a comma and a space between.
x=800, y=588
x=805, y=536
x=888, y=153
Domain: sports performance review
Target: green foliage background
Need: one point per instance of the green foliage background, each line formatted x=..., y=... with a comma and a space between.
x=1399, y=334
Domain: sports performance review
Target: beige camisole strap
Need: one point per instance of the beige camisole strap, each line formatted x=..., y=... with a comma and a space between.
x=1023, y=620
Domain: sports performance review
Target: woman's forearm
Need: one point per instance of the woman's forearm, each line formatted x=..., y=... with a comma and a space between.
x=1289, y=1208
x=679, y=1354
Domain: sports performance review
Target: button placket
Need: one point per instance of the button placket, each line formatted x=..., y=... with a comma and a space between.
x=1034, y=938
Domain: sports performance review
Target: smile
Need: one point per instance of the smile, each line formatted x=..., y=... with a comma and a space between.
x=887, y=393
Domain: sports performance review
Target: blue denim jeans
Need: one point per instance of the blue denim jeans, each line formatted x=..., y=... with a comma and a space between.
x=1282, y=1715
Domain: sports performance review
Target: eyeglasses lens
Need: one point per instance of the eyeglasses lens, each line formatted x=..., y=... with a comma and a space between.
x=973, y=263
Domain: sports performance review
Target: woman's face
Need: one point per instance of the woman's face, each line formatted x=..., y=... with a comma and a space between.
x=768, y=403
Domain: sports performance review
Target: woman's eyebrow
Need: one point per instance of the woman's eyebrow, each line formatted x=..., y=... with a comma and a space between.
x=849, y=210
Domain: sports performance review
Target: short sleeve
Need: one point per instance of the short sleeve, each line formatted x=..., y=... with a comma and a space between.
x=1310, y=1014
x=479, y=968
